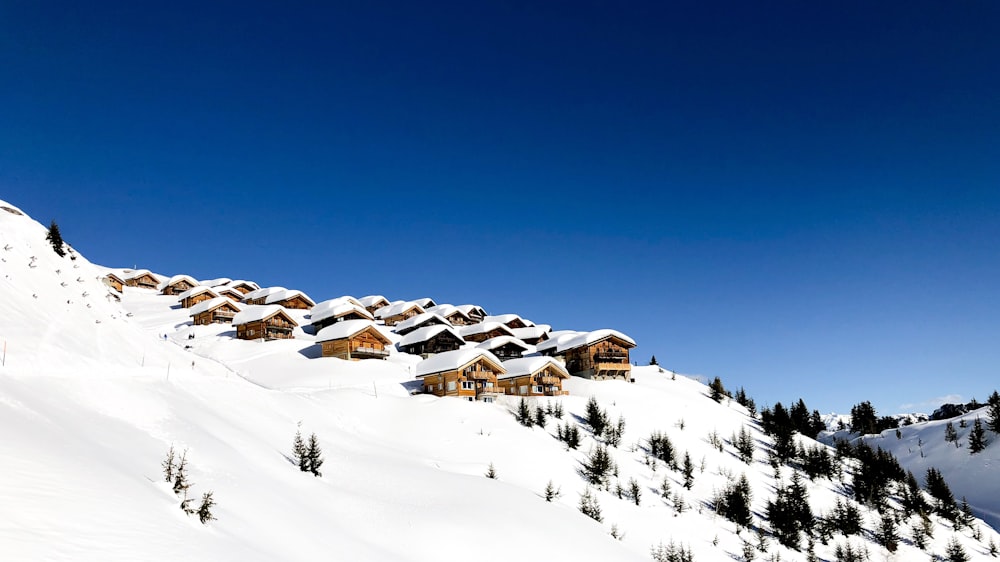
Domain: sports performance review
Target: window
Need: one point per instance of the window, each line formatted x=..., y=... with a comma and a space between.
x=468, y=385
x=451, y=386
x=524, y=389
x=540, y=389
x=488, y=399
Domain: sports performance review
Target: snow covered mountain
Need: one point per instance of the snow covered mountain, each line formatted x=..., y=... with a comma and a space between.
x=94, y=391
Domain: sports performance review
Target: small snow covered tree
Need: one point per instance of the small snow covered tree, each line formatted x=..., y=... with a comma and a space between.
x=557, y=410
x=540, y=417
x=491, y=472
x=314, y=455
x=523, y=413
x=55, y=238
x=634, y=491
x=205, y=509
x=954, y=552
x=950, y=435
x=598, y=465
x=652, y=360
x=977, y=438
x=551, y=492
x=613, y=433
x=590, y=507
x=299, y=452
x=597, y=419
x=744, y=445
x=716, y=391
x=688, y=470
x=181, y=483
x=733, y=502
x=168, y=465
x=671, y=553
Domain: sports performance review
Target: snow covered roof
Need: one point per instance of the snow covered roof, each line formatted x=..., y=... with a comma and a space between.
x=472, y=309
x=197, y=290
x=482, y=328
x=177, y=279
x=212, y=304
x=347, y=329
x=373, y=300
x=225, y=290
x=319, y=313
x=531, y=365
x=261, y=293
x=425, y=302
x=453, y=360
x=336, y=302
x=426, y=333
x=397, y=308
x=287, y=294
x=237, y=282
x=531, y=332
x=500, y=341
x=419, y=319
x=505, y=318
x=446, y=310
x=566, y=340
x=141, y=272
x=115, y=275
x=215, y=282
x=255, y=313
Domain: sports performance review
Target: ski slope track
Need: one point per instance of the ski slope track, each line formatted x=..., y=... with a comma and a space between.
x=94, y=391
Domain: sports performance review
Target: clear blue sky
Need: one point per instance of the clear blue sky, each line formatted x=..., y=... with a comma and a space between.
x=802, y=198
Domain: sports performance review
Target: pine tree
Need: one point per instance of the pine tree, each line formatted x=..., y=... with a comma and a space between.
x=950, y=435
x=954, y=552
x=597, y=466
x=491, y=472
x=540, y=417
x=977, y=438
x=993, y=412
x=590, y=507
x=716, y=391
x=299, y=452
x=168, y=465
x=887, y=534
x=523, y=414
x=597, y=419
x=652, y=360
x=314, y=455
x=688, y=471
x=863, y=418
x=744, y=445
x=205, y=509
x=789, y=513
x=557, y=410
x=55, y=238
x=551, y=492
x=613, y=433
x=733, y=502
x=634, y=491
x=181, y=483
x=939, y=490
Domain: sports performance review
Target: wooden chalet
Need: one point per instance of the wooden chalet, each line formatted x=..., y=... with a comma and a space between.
x=420, y=321
x=601, y=354
x=259, y=296
x=219, y=310
x=465, y=373
x=505, y=347
x=397, y=312
x=533, y=376
x=243, y=287
x=332, y=312
x=225, y=291
x=178, y=284
x=269, y=322
x=475, y=312
x=142, y=279
x=452, y=314
x=431, y=340
x=532, y=335
x=512, y=321
x=353, y=340
x=483, y=331
x=113, y=281
x=425, y=302
x=373, y=302
x=196, y=295
x=296, y=300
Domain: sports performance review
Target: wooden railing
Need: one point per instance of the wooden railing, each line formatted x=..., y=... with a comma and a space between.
x=611, y=357
x=546, y=379
x=479, y=375
x=369, y=351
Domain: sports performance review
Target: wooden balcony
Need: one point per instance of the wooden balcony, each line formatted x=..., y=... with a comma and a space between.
x=611, y=357
x=546, y=379
x=369, y=352
x=479, y=375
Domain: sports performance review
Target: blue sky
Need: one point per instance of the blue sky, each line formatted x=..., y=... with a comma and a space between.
x=800, y=198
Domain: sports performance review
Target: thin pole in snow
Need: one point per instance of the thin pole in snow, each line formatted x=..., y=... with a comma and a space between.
x=4, y=361
x=376, y=389
x=168, y=371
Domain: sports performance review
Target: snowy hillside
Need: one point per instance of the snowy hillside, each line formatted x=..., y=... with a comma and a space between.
x=92, y=396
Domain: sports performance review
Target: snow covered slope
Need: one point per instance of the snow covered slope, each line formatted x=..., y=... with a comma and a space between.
x=92, y=396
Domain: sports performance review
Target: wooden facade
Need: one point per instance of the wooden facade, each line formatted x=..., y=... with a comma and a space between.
x=202, y=296
x=479, y=337
x=441, y=342
x=459, y=318
x=296, y=302
x=348, y=314
x=369, y=343
x=546, y=381
x=221, y=314
x=404, y=315
x=144, y=281
x=277, y=326
x=603, y=359
x=473, y=381
x=113, y=281
x=242, y=286
x=177, y=287
x=510, y=350
x=230, y=292
x=375, y=304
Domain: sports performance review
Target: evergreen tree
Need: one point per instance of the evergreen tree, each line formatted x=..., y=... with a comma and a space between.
x=551, y=492
x=634, y=490
x=743, y=400
x=816, y=424
x=523, y=414
x=491, y=472
x=950, y=435
x=590, y=507
x=181, y=483
x=965, y=515
x=816, y=462
x=733, y=502
x=744, y=445
x=613, y=433
x=912, y=497
x=789, y=513
x=540, y=417
x=597, y=419
x=716, y=391
x=993, y=413
x=314, y=455
x=954, y=552
x=799, y=416
x=205, y=509
x=557, y=411
x=55, y=238
x=299, y=452
x=688, y=471
x=977, y=438
x=662, y=448
x=652, y=360
x=597, y=466
x=939, y=490
x=168, y=465
x=887, y=534
x=863, y=418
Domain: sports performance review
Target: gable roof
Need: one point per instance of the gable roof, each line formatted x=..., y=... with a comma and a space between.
x=505, y=318
x=373, y=300
x=227, y=290
x=177, y=279
x=530, y=332
x=420, y=319
x=397, y=308
x=472, y=308
x=500, y=341
x=348, y=329
x=565, y=340
x=196, y=290
x=484, y=327
x=215, y=282
x=115, y=276
x=320, y=313
x=212, y=304
x=454, y=360
x=256, y=313
x=287, y=294
x=237, y=282
x=446, y=310
x=531, y=365
x=336, y=302
x=425, y=302
x=262, y=293
x=421, y=335
x=140, y=273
